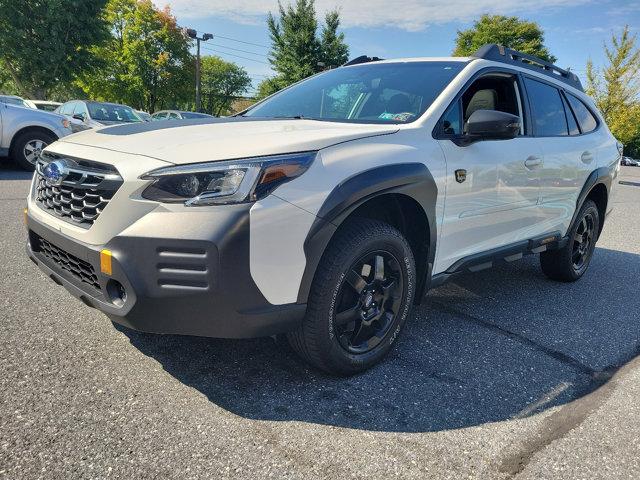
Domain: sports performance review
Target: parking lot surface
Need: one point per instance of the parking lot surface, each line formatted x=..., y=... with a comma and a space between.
x=500, y=374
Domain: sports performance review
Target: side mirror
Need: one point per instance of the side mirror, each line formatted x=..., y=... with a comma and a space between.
x=79, y=116
x=490, y=125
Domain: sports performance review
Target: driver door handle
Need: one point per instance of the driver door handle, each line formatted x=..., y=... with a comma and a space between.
x=532, y=162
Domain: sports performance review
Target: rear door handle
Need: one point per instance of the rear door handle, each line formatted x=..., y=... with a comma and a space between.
x=533, y=162
x=586, y=157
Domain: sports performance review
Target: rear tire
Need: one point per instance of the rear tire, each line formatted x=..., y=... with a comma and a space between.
x=26, y=149
x=571, y=262
x=360, y=299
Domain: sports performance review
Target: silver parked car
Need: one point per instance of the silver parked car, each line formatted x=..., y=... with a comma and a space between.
x=86, y=114
x=177, y=115
x=144, y=115
x=629, y=162
x=25, y=132
x=16, y=100
x=46, y=105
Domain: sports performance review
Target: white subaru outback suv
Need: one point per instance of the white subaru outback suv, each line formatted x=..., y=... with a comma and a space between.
x=329, y=209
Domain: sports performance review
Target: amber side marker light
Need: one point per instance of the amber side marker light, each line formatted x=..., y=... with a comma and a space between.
x=105, y=261
x=26, y=216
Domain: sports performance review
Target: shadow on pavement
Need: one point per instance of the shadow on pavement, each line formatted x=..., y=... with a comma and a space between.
x=487, y=347
x=9, y=171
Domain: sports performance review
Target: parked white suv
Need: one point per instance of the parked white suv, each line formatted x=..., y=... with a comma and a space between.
x=329, y=209
x=25, y=132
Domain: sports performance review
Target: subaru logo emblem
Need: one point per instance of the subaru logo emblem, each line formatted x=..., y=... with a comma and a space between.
x=55, y=172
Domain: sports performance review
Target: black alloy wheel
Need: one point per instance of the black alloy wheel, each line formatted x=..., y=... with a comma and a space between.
x=582, y=241
x=368, y=301
x=570, y=262
x=360, y=299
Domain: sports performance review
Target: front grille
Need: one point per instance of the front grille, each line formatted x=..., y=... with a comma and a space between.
x=81, y=195
x=80, y=269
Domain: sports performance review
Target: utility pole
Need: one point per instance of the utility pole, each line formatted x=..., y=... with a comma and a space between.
x=191, y=33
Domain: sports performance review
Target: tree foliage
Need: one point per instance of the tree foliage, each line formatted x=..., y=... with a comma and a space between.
x=44, y=43
x=512, y=32
x=333, y=50
x=616, y=89
x=222, y=82
x=146, y=63
x=7, y=86
x=298, y=50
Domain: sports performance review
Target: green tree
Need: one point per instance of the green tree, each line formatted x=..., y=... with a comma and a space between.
x=512, y=32
x=7, y=86
x=146, y=63
x=267, y=87
x=333, y=50
x=44, y=43
x=222, y=82
x=616, y=89
x=298, y=50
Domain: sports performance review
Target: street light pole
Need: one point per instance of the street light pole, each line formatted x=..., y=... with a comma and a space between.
x=191, y=33
x=198, y=83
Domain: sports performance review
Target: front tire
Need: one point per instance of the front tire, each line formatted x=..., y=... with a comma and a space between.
x=28, y=146
x=571, y=262
x=360, y=299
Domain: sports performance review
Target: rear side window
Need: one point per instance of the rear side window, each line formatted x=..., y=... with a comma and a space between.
x=571, y=120
x=548, y=111
x=587, y=121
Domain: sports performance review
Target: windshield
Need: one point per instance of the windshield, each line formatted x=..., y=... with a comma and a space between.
x=194, y=115
x=48, y=107
x=110, y=112
x=370, y=93
x=14, y=101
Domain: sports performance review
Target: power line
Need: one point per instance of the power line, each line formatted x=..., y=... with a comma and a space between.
x=234, y=55
x=242, y=41
x=238, y=50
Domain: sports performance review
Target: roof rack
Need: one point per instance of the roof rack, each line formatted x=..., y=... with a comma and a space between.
x=499, y=53
x=361, y=59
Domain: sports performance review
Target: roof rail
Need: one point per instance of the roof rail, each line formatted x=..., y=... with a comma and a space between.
x=361, y=59
x=499, y=53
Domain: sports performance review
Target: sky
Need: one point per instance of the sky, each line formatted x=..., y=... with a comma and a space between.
x=575, y=30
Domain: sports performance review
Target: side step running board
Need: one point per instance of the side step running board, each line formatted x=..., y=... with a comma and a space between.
x=508, y=254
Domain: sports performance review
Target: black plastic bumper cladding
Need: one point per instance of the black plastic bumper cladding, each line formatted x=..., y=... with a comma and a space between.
x=201, y=285
x=411, y=179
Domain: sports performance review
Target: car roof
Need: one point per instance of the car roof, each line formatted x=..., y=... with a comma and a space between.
x=106, y=103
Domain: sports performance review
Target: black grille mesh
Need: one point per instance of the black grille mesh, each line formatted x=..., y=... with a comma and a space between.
x=80, y=269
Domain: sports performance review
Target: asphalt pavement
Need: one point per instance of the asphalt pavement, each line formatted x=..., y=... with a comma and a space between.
x=500, y=374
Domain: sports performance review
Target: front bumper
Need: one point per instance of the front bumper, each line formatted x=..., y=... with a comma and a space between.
x=179, y=278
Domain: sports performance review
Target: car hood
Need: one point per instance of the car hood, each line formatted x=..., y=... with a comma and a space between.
x=33, y=112
x=199, y=140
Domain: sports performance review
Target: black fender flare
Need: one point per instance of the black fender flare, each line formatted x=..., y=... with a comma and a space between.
x=599, y=176
x=411, y=179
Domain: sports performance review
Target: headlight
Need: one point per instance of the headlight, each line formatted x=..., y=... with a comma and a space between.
x=215, y=183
